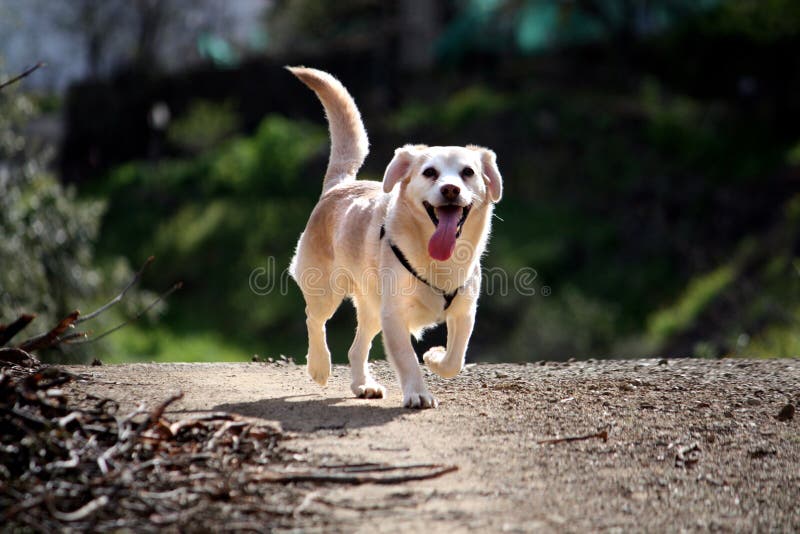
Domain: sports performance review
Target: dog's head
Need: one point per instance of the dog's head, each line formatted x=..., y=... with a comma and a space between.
x=444, y=184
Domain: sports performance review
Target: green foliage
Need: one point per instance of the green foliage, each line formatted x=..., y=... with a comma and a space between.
x=588, y=204
x=355, y=21
x=793, y=156
x=162, y=344
x=46, y=246
x=271, y=161
x=775, y=341
x=649, y=202
x=769, y=323
x=700, y=292
x=565, y=324
x=747, y=307
x=211, y=221
x=204, y=125
x=466, y=106
x=47, y=238
x=761, y=20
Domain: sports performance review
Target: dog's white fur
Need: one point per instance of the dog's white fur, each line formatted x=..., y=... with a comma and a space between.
x=341, y=253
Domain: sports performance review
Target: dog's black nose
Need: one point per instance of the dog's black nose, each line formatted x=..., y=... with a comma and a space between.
x=450, y=191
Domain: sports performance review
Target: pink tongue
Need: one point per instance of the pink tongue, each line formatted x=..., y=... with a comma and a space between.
x=443, y=242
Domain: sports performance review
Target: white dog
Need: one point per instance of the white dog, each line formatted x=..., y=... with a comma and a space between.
x=392, y=248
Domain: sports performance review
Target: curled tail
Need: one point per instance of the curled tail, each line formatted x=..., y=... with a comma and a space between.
x=349, y=143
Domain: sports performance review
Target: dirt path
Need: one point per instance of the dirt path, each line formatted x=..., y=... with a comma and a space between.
x=743, y=474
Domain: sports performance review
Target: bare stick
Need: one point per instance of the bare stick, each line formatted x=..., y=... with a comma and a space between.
x=119, y=297
x=81, y=513
x=603, y=434
x=22, y=506
x=24, y=74
x=48, y=339
x=128, y=438
x=375, y=468
x=15, y=356
x=132, y=319
x=351, y=478
x=70, y=338
x=158, y=411
x=9, y=331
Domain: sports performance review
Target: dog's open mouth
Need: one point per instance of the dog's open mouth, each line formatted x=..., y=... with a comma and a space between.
x=449, y=221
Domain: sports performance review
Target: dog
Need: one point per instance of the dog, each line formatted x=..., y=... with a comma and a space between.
x=407, y=251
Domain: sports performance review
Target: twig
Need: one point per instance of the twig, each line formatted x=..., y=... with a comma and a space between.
x=388, y=449
x=16, y=356
x=603, y=434
x=56, y=336
x=308, y=500
x=120, y=296
x=152, y=419
x=368, y=468
x=158, y=411
x=72, y=338
x=22, y=506
x=50, y=338
x=352, y=478
x=9, y=331
x=132, y=319
x=24, y=74
x=212, y=443
x=33, y=420
x=81, y=513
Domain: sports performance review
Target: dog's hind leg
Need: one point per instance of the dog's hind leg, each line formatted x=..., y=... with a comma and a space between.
x=363, y=385
x=319, y=308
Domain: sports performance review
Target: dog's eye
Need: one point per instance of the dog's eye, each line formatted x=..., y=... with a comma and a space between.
x=430, y=172
x=467, y=172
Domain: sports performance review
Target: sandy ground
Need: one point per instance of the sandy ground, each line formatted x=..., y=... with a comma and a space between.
x=692, y=445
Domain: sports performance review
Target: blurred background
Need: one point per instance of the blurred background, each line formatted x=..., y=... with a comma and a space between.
x=650, y=151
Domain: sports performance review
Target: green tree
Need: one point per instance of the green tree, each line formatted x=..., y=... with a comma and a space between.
x=45, y=233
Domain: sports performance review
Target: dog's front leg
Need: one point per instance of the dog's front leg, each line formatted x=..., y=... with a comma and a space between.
x=397, y=340
x=448, y=362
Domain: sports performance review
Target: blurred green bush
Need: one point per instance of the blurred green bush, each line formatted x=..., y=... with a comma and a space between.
x=651, y=182
x=211, y=221
x=48, y=265
x=203, y=126
x=630, y=207
x=45, y=232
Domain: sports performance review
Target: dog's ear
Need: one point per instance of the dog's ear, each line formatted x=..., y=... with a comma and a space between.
x=491, y=174
x=400, y=167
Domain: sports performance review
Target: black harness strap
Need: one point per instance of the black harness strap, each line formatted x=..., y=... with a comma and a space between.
x=448, y=297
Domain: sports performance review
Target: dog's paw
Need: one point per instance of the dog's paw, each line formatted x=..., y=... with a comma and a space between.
x=434, y=359
x=319, y=369
x=419, y=399
x=369, y=390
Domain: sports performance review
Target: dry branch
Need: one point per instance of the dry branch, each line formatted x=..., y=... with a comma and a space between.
x=16, y=357
x=158, y=411
x=48, y=339
x=362, y=476
x=159, y=475
x=20, y=76
x=87, y=510
x=73, y=337
x=58, y=336
x=133, y=319
x=120, y=296
x=603, y=434
x=7, y=332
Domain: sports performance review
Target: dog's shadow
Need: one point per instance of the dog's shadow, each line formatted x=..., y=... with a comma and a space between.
x=297, y=413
